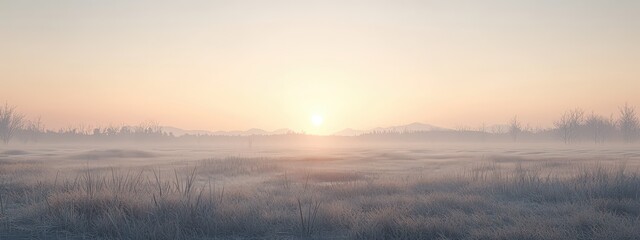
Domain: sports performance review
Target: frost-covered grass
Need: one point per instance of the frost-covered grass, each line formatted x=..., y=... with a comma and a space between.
x=271, y=197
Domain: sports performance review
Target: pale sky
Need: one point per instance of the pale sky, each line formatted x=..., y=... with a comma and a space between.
x=234, y=65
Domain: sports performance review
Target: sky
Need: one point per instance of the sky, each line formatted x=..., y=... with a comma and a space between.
x=235, y=65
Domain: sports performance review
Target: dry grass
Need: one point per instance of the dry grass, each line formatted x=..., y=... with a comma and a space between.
x=261, y=198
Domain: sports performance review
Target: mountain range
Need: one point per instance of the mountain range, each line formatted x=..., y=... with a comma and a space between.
x=412, y=127
x=254, y=131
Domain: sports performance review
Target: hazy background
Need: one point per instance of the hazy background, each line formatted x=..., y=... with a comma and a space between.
x=224, y=65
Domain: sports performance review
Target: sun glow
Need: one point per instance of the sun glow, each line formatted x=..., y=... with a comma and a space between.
x=317, y=120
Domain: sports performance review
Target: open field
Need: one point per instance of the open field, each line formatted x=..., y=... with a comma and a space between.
x=411, y=191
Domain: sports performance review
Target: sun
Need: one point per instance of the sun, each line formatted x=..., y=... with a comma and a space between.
x=317, y=120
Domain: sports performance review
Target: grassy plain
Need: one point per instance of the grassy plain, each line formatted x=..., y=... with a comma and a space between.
x=383, y=191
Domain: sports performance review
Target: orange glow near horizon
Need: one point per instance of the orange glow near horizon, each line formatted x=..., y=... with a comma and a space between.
x=235, y=65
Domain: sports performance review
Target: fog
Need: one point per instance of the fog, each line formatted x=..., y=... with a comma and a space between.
x=465, y=120
x=578, y=179
x=319, y=187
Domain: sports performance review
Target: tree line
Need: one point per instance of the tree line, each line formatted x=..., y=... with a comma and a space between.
x=14, y=125
x=574, y=125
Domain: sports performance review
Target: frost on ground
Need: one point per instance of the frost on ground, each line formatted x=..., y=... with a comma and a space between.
x=357, y=192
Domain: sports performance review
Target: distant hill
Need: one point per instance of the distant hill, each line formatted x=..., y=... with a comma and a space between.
x=253, y=131
x=412, y=127
x=179, y=132
x=349, y=132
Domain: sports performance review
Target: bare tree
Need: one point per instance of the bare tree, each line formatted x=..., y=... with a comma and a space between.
x=569, y=124
x=149, y=128
x=483, y=131
x=32, y=129
x=111, y=130
x=497, y=129
x=599, y=127
x=462, y=128
x=97, y=132
x=628, y=123
x=515, y=128
x=10, y=122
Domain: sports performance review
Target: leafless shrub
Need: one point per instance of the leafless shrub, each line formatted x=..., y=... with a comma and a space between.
x=629, y=124
x=515, y=128
x=569, y=124
x=599, y=127
x=10, y=122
